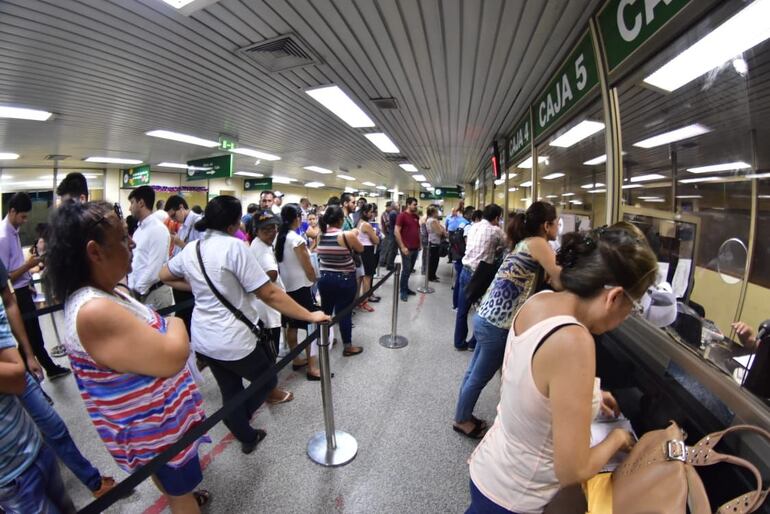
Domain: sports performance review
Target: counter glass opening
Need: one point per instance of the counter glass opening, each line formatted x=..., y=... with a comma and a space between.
x=571, y=168
x=519, y=174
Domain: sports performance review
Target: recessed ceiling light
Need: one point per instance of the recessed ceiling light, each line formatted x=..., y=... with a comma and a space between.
x=512, y=176
x=314, y=185
x=757, y=175
x=178, y=4
x=499, y=181
x=552, y=196
x=178, y=165
x=345, y=177
x=256, y=154
x=318, y=169
x=576, y=202
x=552, y=176
x=632, y=186
x=382, y=141
x=8, y=156
x=592, y=186
x=513, y=189
x=596, y=160
x=419, y=178
x=249, y=174
x=113, y=160
x=679, y=134
x=370, y=184
x=649, y=197
x=349, y=189
x=528, y=183
x=743, y=31
x=411, y=168
x=278, y=179
x=727, y=166
x=425, y=184
x=648, y=177
x=527, y=163
x=699, y=179
x=568, y=194
x=654, y=200
x=594, y=191
x=20, y=113
x=334, y=99
x=579, y=132
x=182, y=138
x=688, y=197
x=381, y=188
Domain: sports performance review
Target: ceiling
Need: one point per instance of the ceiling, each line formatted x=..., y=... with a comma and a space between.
x=461, y=71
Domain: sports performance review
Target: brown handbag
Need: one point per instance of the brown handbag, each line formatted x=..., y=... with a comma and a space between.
x=659, y=477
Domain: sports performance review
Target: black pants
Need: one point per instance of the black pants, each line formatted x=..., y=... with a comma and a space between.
x=25, y=299
x=184, y=314
x=433, y=261
x=229, y=376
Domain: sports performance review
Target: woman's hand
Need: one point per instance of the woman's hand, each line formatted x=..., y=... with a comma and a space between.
x=319, y=317
x=609, y=406
x=745, y=334
x=625, y=440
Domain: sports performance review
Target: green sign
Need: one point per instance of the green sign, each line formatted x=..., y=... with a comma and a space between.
x=448, y=192
x=576, y=77
x=257, y=184
x=227, y=142
x=425, y=195
x=519, y=141
x=135, y=177
x=627, y=24
x=212, y=167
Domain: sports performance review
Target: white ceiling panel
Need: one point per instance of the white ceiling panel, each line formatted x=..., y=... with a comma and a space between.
x=460, y=70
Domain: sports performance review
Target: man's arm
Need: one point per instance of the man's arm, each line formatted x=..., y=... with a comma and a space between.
x=401, y=245
x=19, y=332
x=30, y=263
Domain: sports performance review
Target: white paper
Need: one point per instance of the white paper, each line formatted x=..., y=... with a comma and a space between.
x=681, y=277
x=601, y=428
x=745, y=360
x=663, y=271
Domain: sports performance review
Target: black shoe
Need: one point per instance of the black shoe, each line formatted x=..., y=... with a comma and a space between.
x=59, y=372
x=247, y=448
x=410, y=292
x=461, y=349
x=404, y=297
x=434, y=279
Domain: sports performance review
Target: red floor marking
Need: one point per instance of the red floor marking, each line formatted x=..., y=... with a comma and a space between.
x=339, y=503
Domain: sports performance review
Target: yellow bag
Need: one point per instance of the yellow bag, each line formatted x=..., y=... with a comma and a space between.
x=598, y=491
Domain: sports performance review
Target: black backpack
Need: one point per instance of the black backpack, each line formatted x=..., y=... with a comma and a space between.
x=457, y=244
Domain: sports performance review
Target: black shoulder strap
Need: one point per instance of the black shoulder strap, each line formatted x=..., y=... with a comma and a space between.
x=229, y=306
x=550, y=333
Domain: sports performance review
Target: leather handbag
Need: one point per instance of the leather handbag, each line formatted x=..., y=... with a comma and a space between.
x=659, y=476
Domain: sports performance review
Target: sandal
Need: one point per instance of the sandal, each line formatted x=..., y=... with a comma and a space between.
x=476, y=433
x=202, y=497
x=286, y=397
x=374, y=299
x=479, y=422
x=366, y=307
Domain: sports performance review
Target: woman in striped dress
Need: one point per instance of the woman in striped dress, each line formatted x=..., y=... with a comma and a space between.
x=129, y=362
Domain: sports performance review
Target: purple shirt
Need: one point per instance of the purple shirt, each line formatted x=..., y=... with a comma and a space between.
x=11, y=254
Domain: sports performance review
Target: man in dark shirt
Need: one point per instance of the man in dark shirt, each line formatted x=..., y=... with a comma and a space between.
x=407, y=235
x=389, y=246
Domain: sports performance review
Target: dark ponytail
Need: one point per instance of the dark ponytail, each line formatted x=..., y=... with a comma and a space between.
x=289, y=214
x=332, y=216
x=524, y=225
x=221, y=213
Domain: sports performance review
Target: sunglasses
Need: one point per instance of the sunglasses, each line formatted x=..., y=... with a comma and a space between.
x=115, y=208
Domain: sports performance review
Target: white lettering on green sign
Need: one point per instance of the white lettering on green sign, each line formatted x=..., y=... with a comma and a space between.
x=519, y=140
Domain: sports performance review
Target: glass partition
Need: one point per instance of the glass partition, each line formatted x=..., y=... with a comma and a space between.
x=519, y=175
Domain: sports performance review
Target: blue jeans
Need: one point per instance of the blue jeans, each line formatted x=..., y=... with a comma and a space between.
x=480, y=504
x=458, y=271
x=39, y=489
x=487, y=359
x=57, y=436
x=407, y=265
x=463, y=308
x=338, y=290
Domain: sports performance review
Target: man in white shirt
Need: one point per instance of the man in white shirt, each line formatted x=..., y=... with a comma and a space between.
x=277, y=202
x=152, y=241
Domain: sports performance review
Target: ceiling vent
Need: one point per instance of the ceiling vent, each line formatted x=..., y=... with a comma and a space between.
x=385, y=103
x=57, y=157
x=397, y=158
x=281, y=53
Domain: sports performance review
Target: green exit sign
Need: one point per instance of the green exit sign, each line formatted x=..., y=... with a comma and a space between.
x=227, y=142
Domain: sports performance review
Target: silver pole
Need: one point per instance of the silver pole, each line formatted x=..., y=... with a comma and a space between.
x=426, y=289
x=394, y=340
x=331, y=447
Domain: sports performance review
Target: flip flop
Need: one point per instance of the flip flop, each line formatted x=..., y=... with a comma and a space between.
x=202, y=497
x=476, y=433
x=479, y=422
x=287, y=397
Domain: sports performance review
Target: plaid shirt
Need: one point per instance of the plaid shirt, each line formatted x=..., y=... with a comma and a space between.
x=484, y=239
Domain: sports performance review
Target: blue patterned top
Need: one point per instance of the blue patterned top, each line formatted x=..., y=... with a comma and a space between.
x=517, y=279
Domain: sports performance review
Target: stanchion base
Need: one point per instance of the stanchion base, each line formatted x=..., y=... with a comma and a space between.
x=426, y=290
x=389, y=341
x=347, y=448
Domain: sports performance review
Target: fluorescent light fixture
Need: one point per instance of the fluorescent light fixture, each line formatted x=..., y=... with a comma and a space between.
x=527, y=163
x=513, y=189
x=382, y=141
x=746, y=29
x=349, y=189
x=278, y=179
x=113, y=160
x=178, y=165
x=579, y=132
x=20, y=113
x=425, y=184
x=648, y=177
x=632, y=186
x=401, y=193
x=318, y=169
x=512, y=176
x=256, y=154
x=757, y=175
x=596, y=160
x=334, y=99
x=655, y=200
x=728, y=166
x=688, y=197
x=552, y=176
x=552, y=196
x=381, y=188
x=740, y=66
x=687, y=132
x=649, y=197
x=594, y=191
x=499, y=181
x=8, y=156
x=411, y=168
x=528, y=183
x=576, y=202
x=314, y=185
x=178, y=4
x=592, y=186
x=568, y=194
x=345, y=177
x=182, y=138
x=699, y=179
x=370, y=184
x=419, y=178
x=249, y=174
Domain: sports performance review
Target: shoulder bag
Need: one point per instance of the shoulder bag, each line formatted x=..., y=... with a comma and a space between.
x=263, y=337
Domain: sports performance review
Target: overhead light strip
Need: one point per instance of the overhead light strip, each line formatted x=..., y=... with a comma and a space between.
x=382, y=141
x=553, y=176
x=8, y=156
x=727, y=166
x=318, y=169
x=411, y=168
x=679, y=134
x=579, y=132
x=335, y=100
x=182, y=138
x=648, y=177
x=113, y=160
x=256, y=154
x=20, y=113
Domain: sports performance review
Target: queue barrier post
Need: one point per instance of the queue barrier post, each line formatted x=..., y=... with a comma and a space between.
x=393, y=340
x=331, y=447
x=426, y=289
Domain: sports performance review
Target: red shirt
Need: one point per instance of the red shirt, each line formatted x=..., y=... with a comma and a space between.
x=410, y=229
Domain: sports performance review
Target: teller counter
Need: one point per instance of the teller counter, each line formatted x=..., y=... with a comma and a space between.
x=656, y=377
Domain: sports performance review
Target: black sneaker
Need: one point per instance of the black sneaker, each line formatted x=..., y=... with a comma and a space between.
x=410, y=292
x=58, y=373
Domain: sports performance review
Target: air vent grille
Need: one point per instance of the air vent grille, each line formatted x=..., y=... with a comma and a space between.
x=56, y=157
x=385, y=103
x=281, y=53
x=397, y=158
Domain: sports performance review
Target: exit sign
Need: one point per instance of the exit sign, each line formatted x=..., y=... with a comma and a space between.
x=227, y=142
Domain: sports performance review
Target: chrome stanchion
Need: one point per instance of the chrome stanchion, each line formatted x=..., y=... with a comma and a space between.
x=331, y=447
x=394, y=340
x=426, y=289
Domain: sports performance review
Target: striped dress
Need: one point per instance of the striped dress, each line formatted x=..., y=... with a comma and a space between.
x=137, y=416
x=332, y=256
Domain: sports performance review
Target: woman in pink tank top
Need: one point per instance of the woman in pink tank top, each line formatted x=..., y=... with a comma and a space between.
x=539, y=442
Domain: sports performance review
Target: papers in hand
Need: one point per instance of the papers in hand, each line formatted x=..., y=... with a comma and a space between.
x=601, y=428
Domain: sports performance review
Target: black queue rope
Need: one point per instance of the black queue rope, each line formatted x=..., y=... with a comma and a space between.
x=125, y=487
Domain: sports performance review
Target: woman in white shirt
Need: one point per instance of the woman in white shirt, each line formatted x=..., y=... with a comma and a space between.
x=227, y=344
x=369, y=239
x=297, y=273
